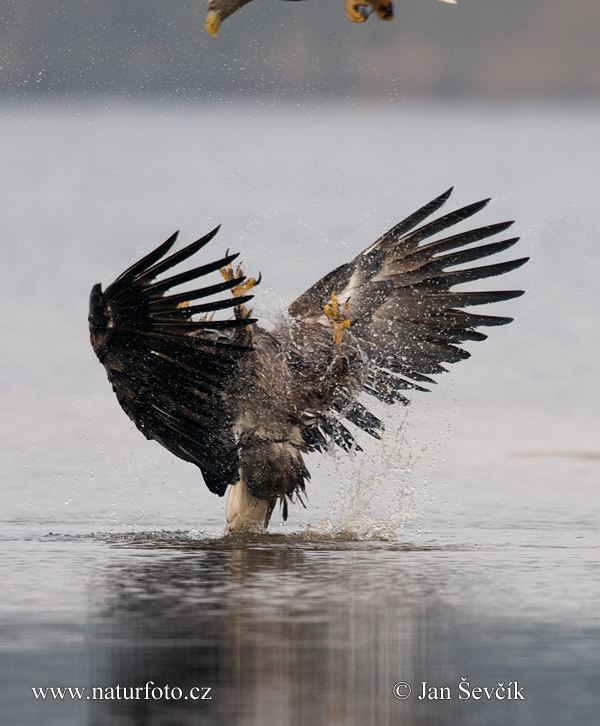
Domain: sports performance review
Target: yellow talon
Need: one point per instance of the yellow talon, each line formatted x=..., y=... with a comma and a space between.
x=333, y=309
x=358, y=10
x=334, y=312
x=228, y=272
x=243, y=287
x=239, y=290
x=213, y=21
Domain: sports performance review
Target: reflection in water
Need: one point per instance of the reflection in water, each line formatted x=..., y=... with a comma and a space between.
x=286, y=632
x=281, y=633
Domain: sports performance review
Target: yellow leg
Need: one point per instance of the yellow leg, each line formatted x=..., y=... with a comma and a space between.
x=335, y=314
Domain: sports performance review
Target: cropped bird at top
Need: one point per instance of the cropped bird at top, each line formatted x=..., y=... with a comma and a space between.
x=356, y=10
x=243, y=403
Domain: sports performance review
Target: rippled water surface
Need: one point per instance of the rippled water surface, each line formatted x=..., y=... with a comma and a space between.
x=461, y=550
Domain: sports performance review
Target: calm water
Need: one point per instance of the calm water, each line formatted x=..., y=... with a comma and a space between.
x=465, y=546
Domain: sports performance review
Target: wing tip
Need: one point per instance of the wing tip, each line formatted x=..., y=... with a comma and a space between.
x=446, y=195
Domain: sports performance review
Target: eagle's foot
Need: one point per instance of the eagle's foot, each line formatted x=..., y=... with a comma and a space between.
x=213, y=19
x=243, y=287
x=241, y=311
x=335, y=314
x=358, y=10
x=384, y=9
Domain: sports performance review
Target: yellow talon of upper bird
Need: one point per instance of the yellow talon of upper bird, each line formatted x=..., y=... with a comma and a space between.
x=213, y=21
x=358, y=10
x=383, y=9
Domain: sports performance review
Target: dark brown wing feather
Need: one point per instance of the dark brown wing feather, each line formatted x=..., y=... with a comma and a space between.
x=404, y=314
x=185, y=380
x=169, y=371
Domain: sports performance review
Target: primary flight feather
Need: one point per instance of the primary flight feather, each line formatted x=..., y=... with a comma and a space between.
x=243, y=403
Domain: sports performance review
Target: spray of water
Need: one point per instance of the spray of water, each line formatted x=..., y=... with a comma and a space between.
x=376, y=492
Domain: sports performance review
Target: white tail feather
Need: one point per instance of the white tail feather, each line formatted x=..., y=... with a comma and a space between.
x=244, y=512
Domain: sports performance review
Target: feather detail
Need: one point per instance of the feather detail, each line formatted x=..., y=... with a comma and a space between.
x=242, y=403
x=405, y=316
x=169, y=370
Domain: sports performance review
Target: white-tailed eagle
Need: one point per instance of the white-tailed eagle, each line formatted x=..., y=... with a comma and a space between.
x=356, y=10
x=243, y=403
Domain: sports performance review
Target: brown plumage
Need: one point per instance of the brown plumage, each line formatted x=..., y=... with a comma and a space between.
x=242, y=403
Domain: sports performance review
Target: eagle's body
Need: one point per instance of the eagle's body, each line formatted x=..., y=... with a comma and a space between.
x=243, y=403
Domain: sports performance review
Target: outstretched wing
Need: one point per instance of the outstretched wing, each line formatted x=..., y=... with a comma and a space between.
x=399, y=297
x=168, y=363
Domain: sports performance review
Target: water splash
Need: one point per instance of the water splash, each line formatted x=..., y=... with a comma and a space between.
x=376, y=496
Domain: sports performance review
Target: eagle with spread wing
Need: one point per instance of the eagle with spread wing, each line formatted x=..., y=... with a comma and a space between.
x=243, y=403
x=356, y=10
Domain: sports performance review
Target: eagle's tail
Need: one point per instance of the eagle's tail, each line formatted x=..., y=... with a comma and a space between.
x=270, y=470
x=245, y=512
